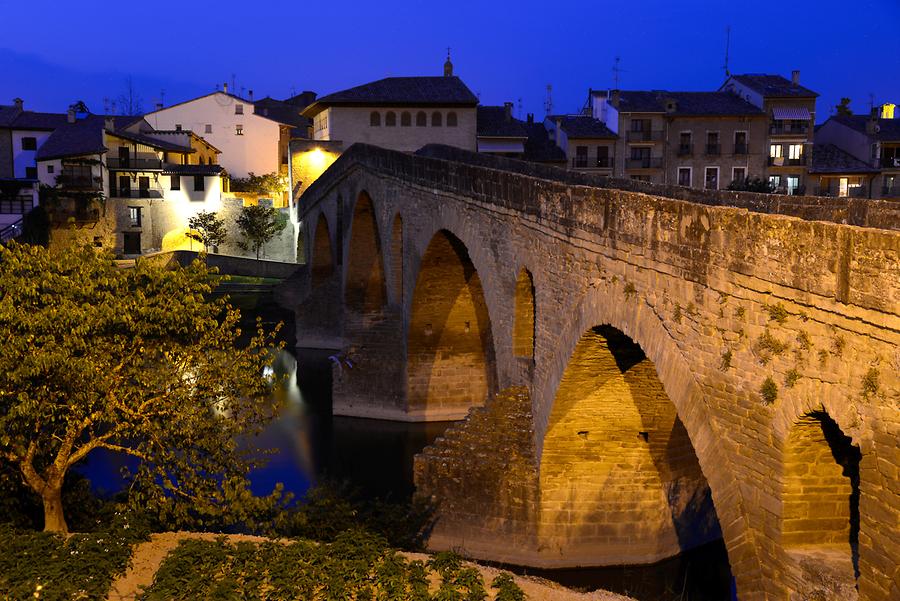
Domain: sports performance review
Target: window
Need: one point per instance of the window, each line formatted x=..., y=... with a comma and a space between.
x=712, y=143
x=712, y=178
x=738, y=174
x=30, y=172
x=405, y=119
x=581, y=154
x=134, y=216
x=775, y=151
x=740, y=142
x=208, y=128
x=775, y=181
x=603, y=157
x=390, y=119
x=175, y=182
x=375, y=119
x=684, y=176
x=451, y=119
x=640, y=125
x=51, y=168
x=795, y=151
x=29, y=143
x=239, y=109
x=178, y=127
x=199, y=184
x=239, y=130
x=421, y=119
x=793, y=184
x=435, y=119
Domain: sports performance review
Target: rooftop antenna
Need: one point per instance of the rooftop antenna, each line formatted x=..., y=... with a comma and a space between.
x=233, y=87
x=727, y=45
x=616, y=71
x=162, y=97
x=519, y=109
x=548, y=103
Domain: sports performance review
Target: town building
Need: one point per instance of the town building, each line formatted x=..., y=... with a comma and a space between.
x=588, y=144
x=694, y=139
x=835, y=172
x=499, y=132
x=251, y=139
x=791, y=112
x=871, y=139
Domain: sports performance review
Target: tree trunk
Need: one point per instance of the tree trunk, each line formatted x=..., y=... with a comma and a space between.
x=54, y=520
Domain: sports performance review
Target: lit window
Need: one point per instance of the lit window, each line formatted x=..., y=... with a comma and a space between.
x=451, y=119
x=239, y=109
x=390, y=120
x=375, y=119
x=775, y=181
x=775, y=150
x=239, y=130
x=795, y=151
x=208, y=129
x=134, y=216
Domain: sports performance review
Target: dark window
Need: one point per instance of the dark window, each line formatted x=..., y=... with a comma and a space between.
x=375, y=119
x=199, y=183
x=390, y=120
x=640, y=125
x=50, y=168
x=124, y=186
x=603, y=156
x=739, y=174
x=29, y=143
x=421, y=119
x=581, y=155
x=134, y=216
x=144, y=186
x=178, y=127
x=131, y=243
x=451, y=119
x=176, y=182
x=712, y=178
x=208, y=128
x=31, y=172
x=435, y=119
x=684, y=176
x=239, y=109
x=685, y=138
x=405, y=119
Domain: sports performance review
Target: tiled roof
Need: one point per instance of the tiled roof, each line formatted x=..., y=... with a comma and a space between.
x=192, y=169
x=494, y=122
x=773, y=86
x=85, y=136
x=151, y=142
x=686, y=103
x=828, y=158
x=232, y=96
x=583, y=126
x=7, y=114
x=281, y=112
x=888, y=130
x=539, y=148
x=40, y=121
x=400, y=91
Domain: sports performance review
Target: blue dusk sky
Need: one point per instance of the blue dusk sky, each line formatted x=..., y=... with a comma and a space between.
x=56, y=53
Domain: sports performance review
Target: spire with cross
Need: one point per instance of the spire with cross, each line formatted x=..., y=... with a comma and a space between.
x=448, y=66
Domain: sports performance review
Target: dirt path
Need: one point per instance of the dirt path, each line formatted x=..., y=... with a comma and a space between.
x=148, y=556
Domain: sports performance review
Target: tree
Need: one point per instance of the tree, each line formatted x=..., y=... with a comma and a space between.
x=130, y=102
x=269, y=183
x=207, y=229
x=133, y=361
x=844, y=107
x=258, y=225
x=752, y=184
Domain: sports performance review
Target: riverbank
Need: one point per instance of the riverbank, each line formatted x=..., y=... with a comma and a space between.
x=149, y=556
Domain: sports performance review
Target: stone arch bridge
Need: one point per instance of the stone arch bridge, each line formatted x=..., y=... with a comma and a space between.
x=641, y=368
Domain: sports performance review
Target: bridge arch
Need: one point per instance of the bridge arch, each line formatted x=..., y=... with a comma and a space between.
x=322, y=260
x=637, y=321
x=364, y=289
x=524, y=315
x=451, y=363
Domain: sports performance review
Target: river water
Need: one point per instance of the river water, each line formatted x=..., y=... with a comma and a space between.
x=376, y=457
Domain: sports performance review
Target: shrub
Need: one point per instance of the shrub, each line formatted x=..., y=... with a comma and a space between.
x=769, y=390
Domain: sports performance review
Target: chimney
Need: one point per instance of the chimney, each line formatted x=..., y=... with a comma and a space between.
x=225, y=87
x=557, y=130
x=70, y=116
x=530, y=118
x=250, y=93
x=19, y=103
x=507, y=111
x=159, y=106
x=614, y=99
x=110, y=124
x=795, y=77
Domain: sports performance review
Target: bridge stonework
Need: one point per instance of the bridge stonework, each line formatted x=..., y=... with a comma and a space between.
x=685, y=355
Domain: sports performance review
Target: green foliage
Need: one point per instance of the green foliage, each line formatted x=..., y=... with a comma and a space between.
x=752, y=184
x=769, y=390
x=132, y=361
x=258, y=225
x=726, y=360
x=630, y=290
x=82, y=566
x=823, y=357
x=768, y=346
x=739, y=312
x=870, y=383
x=356, y=565
x=803, y=341
x=36, y=227
x=843, y=108
x=776, y=312
x=791, y=378
x=837, y=345
x=270, y=184
x=676, y=314
x=507, y=589
x=207, y=229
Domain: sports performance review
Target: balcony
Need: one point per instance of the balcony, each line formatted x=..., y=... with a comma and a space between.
x=16, y=206
x=713, y=150
x=79, y=182
x=133, y=164
x=137, y=193
x=785, y=162
x=740, y=148
x=685, y=150
x=644, y=163
x=891, y=162
x=584, y=162
x=645, y=136
x=779, y=128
